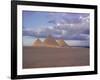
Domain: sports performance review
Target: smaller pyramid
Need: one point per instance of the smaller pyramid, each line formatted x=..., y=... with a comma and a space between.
x=38, y=43
x=62, y=43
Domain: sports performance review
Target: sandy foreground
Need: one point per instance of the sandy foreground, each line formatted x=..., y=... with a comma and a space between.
x=42, y=57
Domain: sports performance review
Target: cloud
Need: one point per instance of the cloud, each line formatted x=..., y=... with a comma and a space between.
x=68, y=34
x=28, y=32
x=72, y=23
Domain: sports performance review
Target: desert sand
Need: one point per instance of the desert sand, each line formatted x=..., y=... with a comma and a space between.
x=43, y=57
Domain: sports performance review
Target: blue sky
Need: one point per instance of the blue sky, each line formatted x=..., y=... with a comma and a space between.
x=61, y=25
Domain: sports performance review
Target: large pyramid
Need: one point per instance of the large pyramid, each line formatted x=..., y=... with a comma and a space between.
x=62, y=43
x=50, y=42
x=38, y=43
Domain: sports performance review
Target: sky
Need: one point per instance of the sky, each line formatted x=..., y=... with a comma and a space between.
x=74, y=28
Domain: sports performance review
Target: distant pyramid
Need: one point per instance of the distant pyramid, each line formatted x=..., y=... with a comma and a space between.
x=50, y=42
x=38, y=43
x=62, y=43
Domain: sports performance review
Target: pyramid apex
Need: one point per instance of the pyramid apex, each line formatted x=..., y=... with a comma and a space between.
x=37, y=42
x=50, y=42
x=49, y=35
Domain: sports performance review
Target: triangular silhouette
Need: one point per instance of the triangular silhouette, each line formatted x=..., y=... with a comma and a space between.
x=38, y=43
x=50, y=42
x=62, y=43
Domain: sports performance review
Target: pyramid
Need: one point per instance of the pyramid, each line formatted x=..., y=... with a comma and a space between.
x=50, y=42
x=62, y=43
x=38, y=43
